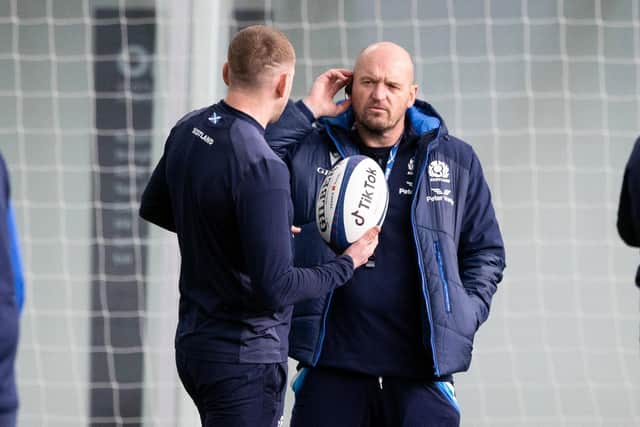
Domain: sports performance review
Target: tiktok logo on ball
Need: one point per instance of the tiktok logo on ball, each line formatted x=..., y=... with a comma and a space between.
x=438, y=171
x=366, y=196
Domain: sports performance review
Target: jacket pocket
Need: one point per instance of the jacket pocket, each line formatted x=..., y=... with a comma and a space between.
x=443, y=276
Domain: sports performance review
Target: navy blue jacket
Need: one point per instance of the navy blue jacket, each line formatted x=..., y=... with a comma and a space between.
x=457, y=239
x=629, y=206
x=11, y=296
x=226, y=195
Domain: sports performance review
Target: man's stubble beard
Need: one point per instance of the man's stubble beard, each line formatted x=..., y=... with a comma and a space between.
x=373, y=128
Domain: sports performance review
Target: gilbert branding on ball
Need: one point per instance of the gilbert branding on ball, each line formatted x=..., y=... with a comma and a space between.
x=353, y=198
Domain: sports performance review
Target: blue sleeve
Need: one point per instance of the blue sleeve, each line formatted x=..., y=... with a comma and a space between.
x=481, y=251
x=155, y=204
x=263, y=203
x=16, y=260
x=292, y=128
x=629, y=206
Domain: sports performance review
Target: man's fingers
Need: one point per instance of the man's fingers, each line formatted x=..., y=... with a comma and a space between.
x=370, y=238
x=337, y=78
x=372, y=233
x=337, y=83
x=341, y=73
x=324, y=89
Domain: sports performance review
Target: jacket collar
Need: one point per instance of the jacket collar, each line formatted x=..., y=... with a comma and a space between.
x=422, y=118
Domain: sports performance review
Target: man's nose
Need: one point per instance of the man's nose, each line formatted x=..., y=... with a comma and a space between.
x=379, y=92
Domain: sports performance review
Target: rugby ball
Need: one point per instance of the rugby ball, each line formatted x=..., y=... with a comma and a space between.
x=352, y=199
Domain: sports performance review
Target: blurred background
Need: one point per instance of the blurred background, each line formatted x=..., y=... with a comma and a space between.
x=546, y=91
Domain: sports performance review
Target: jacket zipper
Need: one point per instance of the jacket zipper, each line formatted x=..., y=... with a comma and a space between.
x=423, y=276
x=325, y=313
x=443, y=276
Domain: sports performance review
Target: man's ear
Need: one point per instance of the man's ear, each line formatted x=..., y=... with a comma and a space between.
x=225, y=73
x=281, y=86
x=413, y=92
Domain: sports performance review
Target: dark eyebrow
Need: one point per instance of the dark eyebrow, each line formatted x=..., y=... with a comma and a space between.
x=377, y=79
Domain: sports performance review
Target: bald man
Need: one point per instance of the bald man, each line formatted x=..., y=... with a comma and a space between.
x=383, y=350
x=225, y=194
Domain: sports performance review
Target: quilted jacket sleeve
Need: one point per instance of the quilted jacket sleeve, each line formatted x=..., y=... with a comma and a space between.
x=295, y=124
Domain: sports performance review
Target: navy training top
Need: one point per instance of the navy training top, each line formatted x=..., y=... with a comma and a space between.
x=224, y=192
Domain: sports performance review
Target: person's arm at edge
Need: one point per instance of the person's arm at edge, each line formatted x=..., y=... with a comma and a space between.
x=16, y=260
x=155, y=203
x=628, y=223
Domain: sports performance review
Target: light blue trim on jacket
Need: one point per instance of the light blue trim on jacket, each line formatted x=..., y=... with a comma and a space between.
x=421, y=122
x=298, y=379
x=344, y=120
x=448, y=391
x=16, y=261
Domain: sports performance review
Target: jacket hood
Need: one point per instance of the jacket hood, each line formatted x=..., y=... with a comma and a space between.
x=421, y=116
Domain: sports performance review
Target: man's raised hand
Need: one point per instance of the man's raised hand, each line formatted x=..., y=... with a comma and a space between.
x=324, y=89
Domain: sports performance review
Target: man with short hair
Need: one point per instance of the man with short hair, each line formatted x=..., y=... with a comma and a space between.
x=11, y=300
x=382, y=350
x=226, y=195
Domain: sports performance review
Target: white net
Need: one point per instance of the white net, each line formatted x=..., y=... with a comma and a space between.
x=546, y=91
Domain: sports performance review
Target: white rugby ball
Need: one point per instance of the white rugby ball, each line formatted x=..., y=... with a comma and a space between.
x=353, y=198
